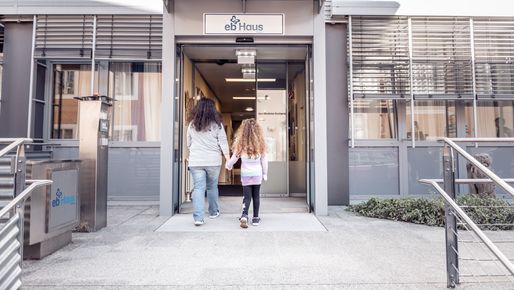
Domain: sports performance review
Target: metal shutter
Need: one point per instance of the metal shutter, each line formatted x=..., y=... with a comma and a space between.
x=64, y=36
x=380, y=57
x=494, y=54
x=1, y=38
x=129, y=36
x=441, y=57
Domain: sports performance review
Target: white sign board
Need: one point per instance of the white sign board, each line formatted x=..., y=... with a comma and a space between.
x=243, y=24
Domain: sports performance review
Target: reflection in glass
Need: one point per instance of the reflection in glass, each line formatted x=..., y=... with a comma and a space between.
x=433, y=119
x=70, y=80
x=494, y=118
x=374, y=119
x=271, y=114
x=136, y=88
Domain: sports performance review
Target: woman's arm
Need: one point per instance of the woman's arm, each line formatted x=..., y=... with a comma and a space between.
x=223, y=142
x=189, y=137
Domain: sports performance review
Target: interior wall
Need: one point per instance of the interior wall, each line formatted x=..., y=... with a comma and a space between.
x=297, y=161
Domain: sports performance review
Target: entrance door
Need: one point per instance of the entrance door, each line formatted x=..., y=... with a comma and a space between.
x=272, y=115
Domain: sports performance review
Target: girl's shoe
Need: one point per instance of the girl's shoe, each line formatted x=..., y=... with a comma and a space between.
x=243, y=222
x=198, y=223
x=256, y=221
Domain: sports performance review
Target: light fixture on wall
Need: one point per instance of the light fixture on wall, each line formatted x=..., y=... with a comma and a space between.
x=249, y=109
x=242, y=80
x=246, y=56
x=243, y=98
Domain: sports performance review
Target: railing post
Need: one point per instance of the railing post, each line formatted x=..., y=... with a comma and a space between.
x=452, y=252
x=20, y=211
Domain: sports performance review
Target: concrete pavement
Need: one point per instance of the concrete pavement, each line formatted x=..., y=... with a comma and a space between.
x=352, y=253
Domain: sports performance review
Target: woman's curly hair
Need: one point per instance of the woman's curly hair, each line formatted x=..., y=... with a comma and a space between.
x=249, y=139
x=204, y=114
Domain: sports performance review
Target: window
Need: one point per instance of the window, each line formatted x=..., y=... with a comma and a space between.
x=494, y=118
x=70, y=80
x=136, y=89
x=433, y=119
x=374, y=119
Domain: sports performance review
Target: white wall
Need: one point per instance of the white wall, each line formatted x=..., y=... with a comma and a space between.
x=424, y=7
x=20, y=7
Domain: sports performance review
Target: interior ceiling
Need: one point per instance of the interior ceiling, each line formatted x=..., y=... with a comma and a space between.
x=215, y=63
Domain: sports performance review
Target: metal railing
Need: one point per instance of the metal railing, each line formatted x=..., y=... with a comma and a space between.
x=11, y=237
x=454, y=212
x=19, y=160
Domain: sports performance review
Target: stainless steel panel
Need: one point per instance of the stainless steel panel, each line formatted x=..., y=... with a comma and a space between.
x=93, y=152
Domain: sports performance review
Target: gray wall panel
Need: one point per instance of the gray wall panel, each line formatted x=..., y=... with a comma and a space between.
x=374, y=171
x=16, y=79
x=65, y=153
x=134, y=173
x=337, y=115
x=424, y=162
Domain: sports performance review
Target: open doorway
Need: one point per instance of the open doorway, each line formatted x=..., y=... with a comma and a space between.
x=265, y=82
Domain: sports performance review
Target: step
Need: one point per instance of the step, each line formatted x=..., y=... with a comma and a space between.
x=5, y=170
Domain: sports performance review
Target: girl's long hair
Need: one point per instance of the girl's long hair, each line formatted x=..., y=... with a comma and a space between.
x=204, y=115
x=249, y=139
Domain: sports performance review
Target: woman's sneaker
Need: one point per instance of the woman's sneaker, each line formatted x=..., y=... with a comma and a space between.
x=198, y=223
x=256, y=221
x=215, y=215
x=243, y=222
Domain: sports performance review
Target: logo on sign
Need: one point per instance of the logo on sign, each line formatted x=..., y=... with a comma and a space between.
x=237, y=25
x=61, y=199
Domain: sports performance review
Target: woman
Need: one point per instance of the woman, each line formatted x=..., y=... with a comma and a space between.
x=206, y=139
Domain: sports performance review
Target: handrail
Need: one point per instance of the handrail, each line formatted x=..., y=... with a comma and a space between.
x=24, y=195
x=505, y=261
x=472, y=181
x=479, y=165
x=14, y=144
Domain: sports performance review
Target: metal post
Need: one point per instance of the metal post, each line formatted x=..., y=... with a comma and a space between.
x=20, y=211
x=452, y=251
x=350, y=71
x=411, y=80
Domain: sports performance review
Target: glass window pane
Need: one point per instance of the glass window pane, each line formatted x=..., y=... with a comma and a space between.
x=136, y=88
x=433, y=119
x=70, y=80
x=494, y=118
x=374, y=119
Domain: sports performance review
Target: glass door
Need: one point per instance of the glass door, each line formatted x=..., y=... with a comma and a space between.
x=271, y=112
x=177, y=137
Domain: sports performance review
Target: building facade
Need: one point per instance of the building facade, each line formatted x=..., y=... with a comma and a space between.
x=374, y=83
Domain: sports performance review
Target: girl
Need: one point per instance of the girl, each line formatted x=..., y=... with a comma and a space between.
x=206, y=140
x=249, y=145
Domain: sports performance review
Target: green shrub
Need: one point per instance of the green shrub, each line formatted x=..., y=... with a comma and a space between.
x=430, y=211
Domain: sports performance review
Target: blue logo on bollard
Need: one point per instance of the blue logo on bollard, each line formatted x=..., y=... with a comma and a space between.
x=61, y=199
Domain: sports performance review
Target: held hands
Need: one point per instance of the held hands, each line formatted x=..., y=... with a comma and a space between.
x=265, y=177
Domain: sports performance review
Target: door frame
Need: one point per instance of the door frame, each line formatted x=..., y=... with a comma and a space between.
x=179, y=92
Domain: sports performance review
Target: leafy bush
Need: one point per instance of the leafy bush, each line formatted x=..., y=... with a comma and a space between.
x=492, y=213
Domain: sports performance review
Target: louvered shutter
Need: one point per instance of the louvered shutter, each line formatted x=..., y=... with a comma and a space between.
x=380, y=57
x=441, y=58
x=1, y=39
x=130, y=36
x=64, y=36
x=494, y=54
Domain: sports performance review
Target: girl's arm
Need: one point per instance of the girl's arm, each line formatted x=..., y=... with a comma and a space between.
x=230, y=163
x=264, y=164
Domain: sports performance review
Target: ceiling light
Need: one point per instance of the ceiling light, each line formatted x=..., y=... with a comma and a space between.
x=236, y=80
x=249, y=109
x=246, y=52
x=243, y=98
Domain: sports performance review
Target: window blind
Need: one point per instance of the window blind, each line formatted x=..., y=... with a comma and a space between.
x=441, y=57
x=129, y=36
x=380, y=57
x=494, y=54
x=64, y=36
